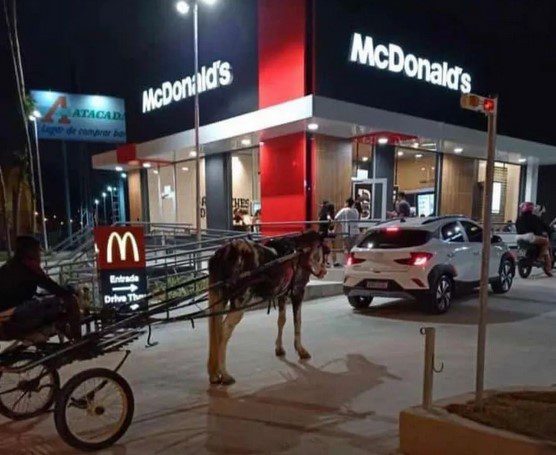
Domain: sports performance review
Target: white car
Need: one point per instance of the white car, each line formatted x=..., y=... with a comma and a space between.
x=423, y=258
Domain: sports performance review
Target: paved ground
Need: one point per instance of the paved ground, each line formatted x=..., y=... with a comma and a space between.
x=365, y=368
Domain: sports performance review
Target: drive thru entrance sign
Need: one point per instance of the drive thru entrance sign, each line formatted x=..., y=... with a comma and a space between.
x=121, y=264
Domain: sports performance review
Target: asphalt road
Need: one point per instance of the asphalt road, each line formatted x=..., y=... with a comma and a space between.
x=366, y=367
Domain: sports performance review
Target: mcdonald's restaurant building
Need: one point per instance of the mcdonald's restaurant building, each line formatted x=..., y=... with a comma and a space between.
x=304, y=101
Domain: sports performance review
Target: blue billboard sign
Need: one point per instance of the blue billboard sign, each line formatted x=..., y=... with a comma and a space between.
x=85, y=118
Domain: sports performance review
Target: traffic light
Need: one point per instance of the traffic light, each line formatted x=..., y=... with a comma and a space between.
x=488, y=105
x=478, y=103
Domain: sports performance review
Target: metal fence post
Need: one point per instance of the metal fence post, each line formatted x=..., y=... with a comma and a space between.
x=429, y=370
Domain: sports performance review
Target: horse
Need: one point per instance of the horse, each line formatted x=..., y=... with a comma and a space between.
x=242, y=271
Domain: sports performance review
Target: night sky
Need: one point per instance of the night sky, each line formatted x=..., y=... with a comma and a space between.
x=116, y=47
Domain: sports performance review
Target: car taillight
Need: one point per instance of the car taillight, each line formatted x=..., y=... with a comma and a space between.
x=351, y=260
x=418, y=259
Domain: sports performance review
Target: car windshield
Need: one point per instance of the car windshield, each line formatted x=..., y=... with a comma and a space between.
x=391, y=238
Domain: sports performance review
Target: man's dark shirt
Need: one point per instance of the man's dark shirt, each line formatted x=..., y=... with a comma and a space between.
x=404, y=209
x=19, y=280
x=528, y=222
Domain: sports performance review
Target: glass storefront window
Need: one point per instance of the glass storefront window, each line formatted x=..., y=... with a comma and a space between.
x=505, y=194
x=463, y=188
x=415, y=175
x=172, y=193
x=245, y=181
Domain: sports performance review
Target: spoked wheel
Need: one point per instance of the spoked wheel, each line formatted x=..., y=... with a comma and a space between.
x=29, y=394
x=94, y=409
x=505, y=279
x=440, y=298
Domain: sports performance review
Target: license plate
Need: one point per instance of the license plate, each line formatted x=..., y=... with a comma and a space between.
x=377, y=284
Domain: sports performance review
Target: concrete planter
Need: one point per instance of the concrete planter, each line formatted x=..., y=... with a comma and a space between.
x=439, y=432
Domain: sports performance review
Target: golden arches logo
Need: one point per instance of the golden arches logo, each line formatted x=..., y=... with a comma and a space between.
x=122, y=243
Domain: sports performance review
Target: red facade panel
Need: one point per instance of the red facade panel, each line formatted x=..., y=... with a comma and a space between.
x=281, y=51
x=283, y=187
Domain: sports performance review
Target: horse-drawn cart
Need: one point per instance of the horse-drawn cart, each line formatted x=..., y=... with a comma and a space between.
x=94, y=408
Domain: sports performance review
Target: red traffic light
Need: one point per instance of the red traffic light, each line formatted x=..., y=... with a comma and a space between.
x=488, y=105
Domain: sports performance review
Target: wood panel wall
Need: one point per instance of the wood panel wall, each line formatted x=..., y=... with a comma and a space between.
x=134, y=193
x=459, y=181
x=332, y=167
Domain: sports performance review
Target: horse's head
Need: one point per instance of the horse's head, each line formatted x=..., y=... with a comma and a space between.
x=315, y=251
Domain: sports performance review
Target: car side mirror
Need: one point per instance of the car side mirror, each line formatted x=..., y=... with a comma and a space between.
x=496, y=239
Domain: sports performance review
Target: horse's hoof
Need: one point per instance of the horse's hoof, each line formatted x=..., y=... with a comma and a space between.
x=215, y=379
x=303, y=354
x=280, y=352
x=226, y=379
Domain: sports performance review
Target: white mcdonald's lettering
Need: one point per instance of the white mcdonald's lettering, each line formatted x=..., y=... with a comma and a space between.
x=122, y=243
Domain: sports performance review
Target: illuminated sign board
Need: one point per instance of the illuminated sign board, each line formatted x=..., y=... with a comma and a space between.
x=121, y=264
x=391, y=57
x=219, y=74
x=86, y=118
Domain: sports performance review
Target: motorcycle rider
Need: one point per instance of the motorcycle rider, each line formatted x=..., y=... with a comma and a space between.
x=531, y=229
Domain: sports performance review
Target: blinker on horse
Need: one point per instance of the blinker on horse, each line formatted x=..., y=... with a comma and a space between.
x=243, y=271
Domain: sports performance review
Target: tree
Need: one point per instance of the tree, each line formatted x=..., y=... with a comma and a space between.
x=26, y=107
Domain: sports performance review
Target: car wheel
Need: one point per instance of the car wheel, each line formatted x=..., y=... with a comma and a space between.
x=505, y=279
x=524, y=269
x=360, y=302
x=440, y=297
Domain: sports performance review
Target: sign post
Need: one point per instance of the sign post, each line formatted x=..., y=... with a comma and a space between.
x=121, y=264
x=489, y=107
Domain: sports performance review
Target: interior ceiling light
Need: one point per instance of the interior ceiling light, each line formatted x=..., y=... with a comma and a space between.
x=419, y=155
x=365, y=158
x=458, y=150
x=415, y=145
x=119, y=168
x=193, y=153
x=400, y=153
x=313, y=126
x=383, y=140
x=246, y=142
x=146, y=165
x=185, y=169
x=523, y=160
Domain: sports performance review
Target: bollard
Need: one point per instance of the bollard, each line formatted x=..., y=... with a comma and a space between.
x=429, y=370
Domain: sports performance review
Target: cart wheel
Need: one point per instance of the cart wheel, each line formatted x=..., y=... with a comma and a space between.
x=28, y=394
x=94, y=409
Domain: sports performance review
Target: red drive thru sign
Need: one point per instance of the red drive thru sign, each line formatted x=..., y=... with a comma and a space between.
x=121, y=263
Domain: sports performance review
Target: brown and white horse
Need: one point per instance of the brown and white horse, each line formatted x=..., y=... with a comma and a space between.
x=236, y=264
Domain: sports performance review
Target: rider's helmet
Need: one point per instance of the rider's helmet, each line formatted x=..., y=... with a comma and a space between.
x=526, y=207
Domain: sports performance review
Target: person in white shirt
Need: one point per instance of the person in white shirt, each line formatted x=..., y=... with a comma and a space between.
x=347, y=222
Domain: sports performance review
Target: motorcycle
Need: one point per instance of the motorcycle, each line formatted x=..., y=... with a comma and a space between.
x=528, y=257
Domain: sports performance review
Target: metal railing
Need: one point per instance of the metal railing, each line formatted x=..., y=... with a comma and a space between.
x=174, y=255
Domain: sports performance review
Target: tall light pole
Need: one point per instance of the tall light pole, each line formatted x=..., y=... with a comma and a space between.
x=104, y=206
x=36, y=115
x=110, y=189
x=97, y=202
x=183, y=8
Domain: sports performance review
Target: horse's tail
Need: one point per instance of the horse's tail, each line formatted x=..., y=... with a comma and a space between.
x=215, y=305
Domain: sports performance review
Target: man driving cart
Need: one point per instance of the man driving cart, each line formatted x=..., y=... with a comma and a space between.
x=22, y=312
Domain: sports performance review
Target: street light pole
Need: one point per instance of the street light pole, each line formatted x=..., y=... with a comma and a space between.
x=183, y=8
x=104, y=206
x=197, y=119
x=39, y=175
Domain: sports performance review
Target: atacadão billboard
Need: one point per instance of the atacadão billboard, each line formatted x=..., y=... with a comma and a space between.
x=86, y=118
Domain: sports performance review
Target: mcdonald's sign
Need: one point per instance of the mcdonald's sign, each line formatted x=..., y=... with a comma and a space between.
x=120, y=247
